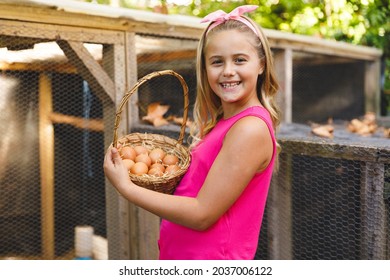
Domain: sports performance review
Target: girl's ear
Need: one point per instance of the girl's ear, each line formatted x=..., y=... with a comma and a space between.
x=261, y=70
x=262, y=66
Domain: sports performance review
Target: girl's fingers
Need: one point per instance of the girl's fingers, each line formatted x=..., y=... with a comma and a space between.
x=115, y=155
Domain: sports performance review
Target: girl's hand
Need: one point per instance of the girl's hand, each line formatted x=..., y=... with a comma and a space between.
x=115, y=170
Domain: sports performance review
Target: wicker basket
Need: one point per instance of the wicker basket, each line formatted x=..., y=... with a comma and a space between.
x=167, y=182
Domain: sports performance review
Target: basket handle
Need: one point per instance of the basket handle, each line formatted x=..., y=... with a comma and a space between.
x=137, y=85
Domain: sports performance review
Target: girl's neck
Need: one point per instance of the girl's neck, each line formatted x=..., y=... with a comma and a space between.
x=230, y=110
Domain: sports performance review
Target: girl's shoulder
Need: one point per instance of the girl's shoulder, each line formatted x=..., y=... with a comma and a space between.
x=249, y=126
x=253, y=123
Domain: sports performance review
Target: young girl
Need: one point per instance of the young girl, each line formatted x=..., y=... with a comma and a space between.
x=217, y=208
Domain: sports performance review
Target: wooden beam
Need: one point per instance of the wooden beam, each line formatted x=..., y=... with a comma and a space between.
x=166, y=56
x=298, y=139
x=284, y=72
x=16, y=43
x=104, y=18
x=81, y=123
x=132, y=119
x=374, y=231
x=89, y=69
x=311, y=44
x=280, y=216
x=114, y=62
x=39, y=67
x=46, y=159
x=52, y=32
x=372, y=89
x=148, y=232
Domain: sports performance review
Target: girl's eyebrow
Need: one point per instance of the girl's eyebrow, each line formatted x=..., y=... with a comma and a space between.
x=234, y=55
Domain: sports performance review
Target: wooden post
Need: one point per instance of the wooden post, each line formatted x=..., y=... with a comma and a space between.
x=284, y=72
x=117, y=212
x=46, y=158
x=373, y=211
x=372, y=87
x=148, y=229
x=280, y=216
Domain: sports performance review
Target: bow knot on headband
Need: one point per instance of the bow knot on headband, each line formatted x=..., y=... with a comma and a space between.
x=219, y=17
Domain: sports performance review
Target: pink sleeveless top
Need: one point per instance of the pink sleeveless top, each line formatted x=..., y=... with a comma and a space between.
x=235, y=235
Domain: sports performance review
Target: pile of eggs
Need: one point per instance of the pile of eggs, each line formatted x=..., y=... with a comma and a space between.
x=139, y=160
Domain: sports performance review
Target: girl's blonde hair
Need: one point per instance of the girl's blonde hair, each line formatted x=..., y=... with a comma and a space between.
x=207, y=108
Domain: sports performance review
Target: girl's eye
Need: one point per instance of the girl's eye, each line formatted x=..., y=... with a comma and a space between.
x=240, y=60
x=216, y=61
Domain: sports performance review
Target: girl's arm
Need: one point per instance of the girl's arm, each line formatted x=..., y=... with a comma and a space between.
x=247, y=149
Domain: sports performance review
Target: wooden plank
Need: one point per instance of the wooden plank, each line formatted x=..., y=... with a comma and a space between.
x=114, y=63
x=112, y=200
x=284, y=72
x=335, y=150
x=46, y=159
x=89, y=69
x=14, y=43
x=147, y=235
x=166, y=56
x=58, y=32
x=117, y=211
x=34, y=12
x=374, y=231
x=311, y=59
x=39, y=67
x=138, y=229
x=77, y=122
x=311, y=44
x=131, y=66
x=298, y=139
x=280, y=216
x=119, y=20
x=132, y=60
x=372, y=91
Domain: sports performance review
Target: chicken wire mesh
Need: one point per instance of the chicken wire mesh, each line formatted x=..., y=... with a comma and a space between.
x=327, y=87
x=41, y=86
x=44, y=96
x=330, y=199
x=175, y=54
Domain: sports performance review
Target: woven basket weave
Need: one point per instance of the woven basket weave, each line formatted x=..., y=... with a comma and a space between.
x=168, y=182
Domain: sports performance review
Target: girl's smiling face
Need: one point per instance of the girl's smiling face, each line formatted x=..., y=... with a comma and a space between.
x=232, y=65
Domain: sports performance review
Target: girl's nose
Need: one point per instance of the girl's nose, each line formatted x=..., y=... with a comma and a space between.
x=228, y=70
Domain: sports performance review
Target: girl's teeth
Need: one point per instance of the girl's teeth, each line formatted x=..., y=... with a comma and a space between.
x=229, y=85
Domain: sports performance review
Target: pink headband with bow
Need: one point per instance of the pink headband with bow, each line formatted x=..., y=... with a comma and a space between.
x=219, y=17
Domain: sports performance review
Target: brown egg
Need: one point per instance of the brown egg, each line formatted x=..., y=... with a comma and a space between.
x=172, y=169
x=128, y=152
x=144, y=158
x=170, y=159
x=141, y=150
x=128, y=163
x=158, y=166
x=139, y=168
x=156, y=155
x=155, y=172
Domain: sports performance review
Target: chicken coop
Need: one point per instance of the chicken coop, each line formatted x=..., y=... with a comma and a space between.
x=64, y=69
